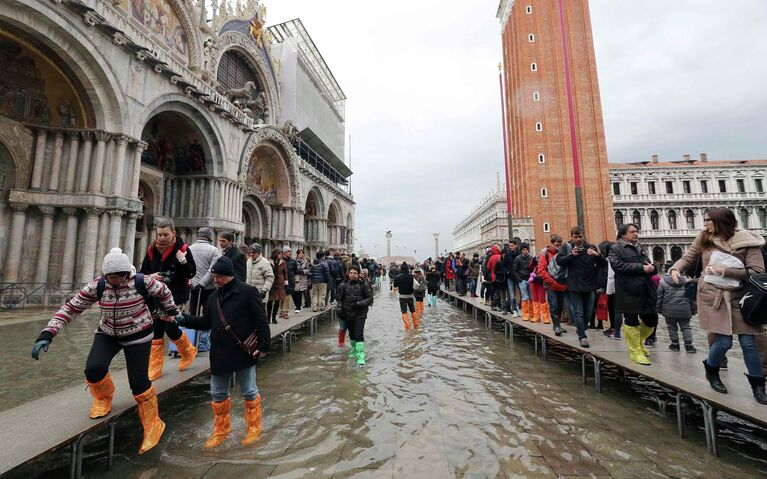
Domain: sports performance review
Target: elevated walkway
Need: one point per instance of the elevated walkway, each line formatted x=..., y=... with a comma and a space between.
x=51, y=422
x=681, y=373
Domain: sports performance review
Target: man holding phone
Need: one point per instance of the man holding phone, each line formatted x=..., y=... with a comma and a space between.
x=582, y=260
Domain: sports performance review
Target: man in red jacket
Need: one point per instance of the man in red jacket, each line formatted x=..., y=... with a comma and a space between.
x=555, y=290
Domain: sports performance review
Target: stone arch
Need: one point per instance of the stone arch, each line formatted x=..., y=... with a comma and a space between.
x=276, y=140
x=15, y=144
x=267, y=174
x=197, y=118
x=335, y=227
x=349, y=232
x=315, y=196
x=261, y=76
x=654, y=220
x=658, y=255
x=676, y=252
x=75, y=49
x=255, y=216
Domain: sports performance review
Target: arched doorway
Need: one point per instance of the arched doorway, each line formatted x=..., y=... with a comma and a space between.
x=254, y=217
x=349, y=231
x=144, y=229
x=313, y=219
x=334, y=225
x=676, y=252
x=658, y=255
x=175, y=145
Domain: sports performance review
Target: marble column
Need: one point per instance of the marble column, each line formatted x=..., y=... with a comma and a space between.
x=70, y=249
x=119, y=179
x=89, y=248
x=13, y=255
x=115, y=227
x=221, y=201
x=44, y=252
x=209, y=203
x=85, y=164
x=58, y=151
x=102, y=248
x=74, y=149
x=99, y=157
x=138, y=150
x=192, y=199
x=130, y=235
x=39, y=160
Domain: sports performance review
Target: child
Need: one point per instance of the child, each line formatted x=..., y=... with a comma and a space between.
x=419, y=292
x=678, y=310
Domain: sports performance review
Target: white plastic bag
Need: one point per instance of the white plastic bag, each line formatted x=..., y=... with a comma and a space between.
x=723, y=260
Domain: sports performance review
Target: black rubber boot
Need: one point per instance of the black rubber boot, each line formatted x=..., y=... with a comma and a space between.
x=712, y=374
x=757, y=386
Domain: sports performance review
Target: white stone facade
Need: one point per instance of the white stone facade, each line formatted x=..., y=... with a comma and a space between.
x=669, y=199
x=88, y=173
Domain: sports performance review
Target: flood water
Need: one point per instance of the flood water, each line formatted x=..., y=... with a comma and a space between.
x=450, y=400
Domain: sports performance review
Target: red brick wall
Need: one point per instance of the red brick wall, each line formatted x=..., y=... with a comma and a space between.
x=527, y=175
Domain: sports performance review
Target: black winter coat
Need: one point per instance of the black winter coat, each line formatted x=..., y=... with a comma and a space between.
x=582, y=269
x=634, y=291
x=432, y=280
x=235, y=254
x=355, y=298
x=292, y=267
x=244, y=310
x=181, y=274
x=521, y=269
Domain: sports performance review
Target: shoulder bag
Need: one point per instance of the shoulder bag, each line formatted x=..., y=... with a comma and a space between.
x=250, y=345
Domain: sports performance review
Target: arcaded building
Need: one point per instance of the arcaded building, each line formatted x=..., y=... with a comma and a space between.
x=553, y=114
x=118, y=114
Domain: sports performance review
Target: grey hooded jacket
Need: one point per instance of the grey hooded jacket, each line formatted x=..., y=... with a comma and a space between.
x=672, y=303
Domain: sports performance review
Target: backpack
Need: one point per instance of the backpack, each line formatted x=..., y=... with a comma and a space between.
x=559, y=273
x=140, y=288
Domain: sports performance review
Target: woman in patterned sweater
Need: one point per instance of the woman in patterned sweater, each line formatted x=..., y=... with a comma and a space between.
x=125, y=324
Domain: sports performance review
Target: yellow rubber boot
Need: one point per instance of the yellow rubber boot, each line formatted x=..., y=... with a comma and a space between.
x=222, y=423
x=156, y=359
x=102, y=391
x=545, y=313
x=644, y=333
x=150, y=419
x=631, y=333
x=406, y=321
x=536, y=318
x=253, y=420
x=186, y=350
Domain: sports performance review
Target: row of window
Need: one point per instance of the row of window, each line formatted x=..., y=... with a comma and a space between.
x=740, y=184
x=689, y=217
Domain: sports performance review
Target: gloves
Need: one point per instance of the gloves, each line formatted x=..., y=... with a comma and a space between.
x=180, y=319
x=41, y=344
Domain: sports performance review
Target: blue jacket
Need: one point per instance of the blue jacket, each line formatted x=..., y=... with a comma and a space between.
x=319, y=272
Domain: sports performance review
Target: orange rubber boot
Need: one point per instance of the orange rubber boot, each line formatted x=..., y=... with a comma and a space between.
x=546, y=313
x=222, y=423
x=416, y=320
x=406, y=321
x=150, y=419
x=253, y=419
x=156, y=359
x=186, y=350
x=102, y=391
x=527, y=310
x=536, y=318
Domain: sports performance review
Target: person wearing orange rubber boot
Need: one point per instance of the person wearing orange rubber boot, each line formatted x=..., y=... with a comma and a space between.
x=236, y=317
x=171, y=261
x=125, y=324
x=404, y=284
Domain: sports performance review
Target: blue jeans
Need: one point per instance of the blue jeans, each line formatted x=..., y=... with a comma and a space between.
x=246, y=379
x=473, y=286
x=524, y=291
x=722, y=343
x=512, y=286
x=556, y=300
x=204, y=343
x=581, y=306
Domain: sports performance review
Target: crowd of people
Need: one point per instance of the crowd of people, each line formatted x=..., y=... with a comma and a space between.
x=615, y=287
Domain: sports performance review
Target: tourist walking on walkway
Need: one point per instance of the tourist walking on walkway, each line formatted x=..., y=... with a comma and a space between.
x=404, y=283
x=277, y=291
x=461, y=274
x=432, y=286
x=510, y=253
x=419, y=291
x=230, y=249
x=607, y=283
x=474, y=269
x=240, y=336
x=520, y=273
x=291, y=270
x=498, y=274
x=320, y=277
x=302, y=282
x=170, y=260
x=718, y=303
x=677, y=309
x=582, y=260
x=635, y=295
x=354, y=297
x=126, y=324
x=259, y=272
x=205, y=255
x=556, y=287
x=538, y=294
x=486, y=290
x=393, y=273
x=450, y=281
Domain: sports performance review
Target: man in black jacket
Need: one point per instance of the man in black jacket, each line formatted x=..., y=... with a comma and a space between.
x=234, y=253
x=170, y=261
x=509, y=254
x=582, y=261
x=238, y=305
x=404, y=284
x=355, y=296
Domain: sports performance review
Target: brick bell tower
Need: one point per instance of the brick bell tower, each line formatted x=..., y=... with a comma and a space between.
x=556, y=150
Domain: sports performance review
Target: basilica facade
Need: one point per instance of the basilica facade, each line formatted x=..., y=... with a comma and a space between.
x=116, y=115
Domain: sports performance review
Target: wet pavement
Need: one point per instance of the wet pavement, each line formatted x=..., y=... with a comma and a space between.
x=450, y=400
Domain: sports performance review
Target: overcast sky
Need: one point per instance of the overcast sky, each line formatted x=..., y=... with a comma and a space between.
x=421, y=76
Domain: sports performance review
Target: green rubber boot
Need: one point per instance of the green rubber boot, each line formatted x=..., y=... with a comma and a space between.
x=360, y=353
x=353, y=349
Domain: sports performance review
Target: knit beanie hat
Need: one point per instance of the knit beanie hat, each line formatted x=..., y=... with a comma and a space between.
x=116, y=262
x=255, y=248
x=205, y=233
x=285, y=249
x=223, y=266
x=404, y=267
x=523, y=246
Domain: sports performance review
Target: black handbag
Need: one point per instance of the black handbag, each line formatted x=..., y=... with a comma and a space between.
x=691, y=287
x=753, y=303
